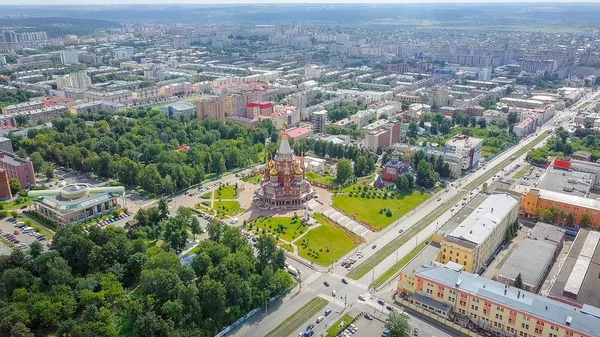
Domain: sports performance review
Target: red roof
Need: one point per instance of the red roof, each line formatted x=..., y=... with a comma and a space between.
x=298, y=132
x=5, y=77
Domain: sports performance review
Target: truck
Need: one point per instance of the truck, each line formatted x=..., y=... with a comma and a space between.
x=385, y=333
x=290, y=269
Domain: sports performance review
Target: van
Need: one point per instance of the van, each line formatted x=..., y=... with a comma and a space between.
x=320, y=319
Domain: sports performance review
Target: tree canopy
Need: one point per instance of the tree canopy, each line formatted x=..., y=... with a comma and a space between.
x=108, y=282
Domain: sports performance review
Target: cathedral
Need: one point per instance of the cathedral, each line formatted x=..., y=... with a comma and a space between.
x=284, y=184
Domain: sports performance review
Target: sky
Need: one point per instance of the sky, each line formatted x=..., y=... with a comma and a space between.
x=121, y=2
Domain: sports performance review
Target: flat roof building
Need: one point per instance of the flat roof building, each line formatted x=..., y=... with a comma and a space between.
x=76, y=203
x=546, y=241
x=478, y=236
x=178, y=109
x=469, y=148
x=536, y=200
x=577, y=281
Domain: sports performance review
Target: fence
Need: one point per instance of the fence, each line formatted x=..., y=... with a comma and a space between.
x=249, y=315
x=437, y=318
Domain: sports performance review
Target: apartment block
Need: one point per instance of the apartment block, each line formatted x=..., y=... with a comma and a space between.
x=18, y=168
x=449, y=292
x=210, y=107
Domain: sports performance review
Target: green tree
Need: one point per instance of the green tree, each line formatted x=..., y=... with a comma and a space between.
x=20, y=330
x=35, y=249
x=15, y=185
x=426, y=176
x=570, y=219
x=585, y=221
x=518, y=281
x=344, y=171
x=398, y=325
x=402, y=184
x=163, y=209
x=512, y=118
x=413, y=129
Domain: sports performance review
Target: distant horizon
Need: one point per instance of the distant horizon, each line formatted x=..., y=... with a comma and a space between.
x=271, y=2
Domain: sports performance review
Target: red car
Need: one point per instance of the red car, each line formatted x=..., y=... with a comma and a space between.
x=16, y=232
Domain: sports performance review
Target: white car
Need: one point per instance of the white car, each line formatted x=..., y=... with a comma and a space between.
x=362, y=298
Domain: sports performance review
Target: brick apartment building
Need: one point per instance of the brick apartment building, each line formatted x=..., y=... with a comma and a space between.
x=18, y=168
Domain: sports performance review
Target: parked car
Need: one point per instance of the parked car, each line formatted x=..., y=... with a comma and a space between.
x=380, y=302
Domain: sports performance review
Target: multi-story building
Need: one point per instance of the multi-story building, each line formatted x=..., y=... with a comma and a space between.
x=485, y=74
x=6, y=145
x=525, y=127
x=22, y=107
x=210, y=107
x=449, y=292
x=416, y=110
x=18, y=168
x=536, y=201
x=5, y=192
x=364, y=117
x=44, y=114
x=123, y=53
x=400, y=68
x=174, y=89
x=474, y=241
x=318, y=120
x=119, y=96
x=69, y=57
x=145, y=94
x=79, y=80
x=469, y=148
x=256, y=109
x=382, y=137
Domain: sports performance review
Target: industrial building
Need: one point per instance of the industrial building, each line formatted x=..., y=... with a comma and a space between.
x=474, y=241
x=76, y=203
x=577, y=281
x=546, y=241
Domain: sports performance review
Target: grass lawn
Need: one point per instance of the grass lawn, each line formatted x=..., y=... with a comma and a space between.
x=369, y=210
x=323, y=179
x=354, y=187
x=287, y=246
x=204, y=209
x=291, y=324
x=253, y=179
x=339, y=326
x=368, y=264
x=522, y=172
x=14, y=205
x=315, y=244
x=400, y=264
x=289, y=230
x=225, y=192
x=227, y=207
x=207, y=195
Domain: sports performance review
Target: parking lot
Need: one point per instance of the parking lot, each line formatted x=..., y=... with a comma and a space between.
x=10, y=231
x=368, y=328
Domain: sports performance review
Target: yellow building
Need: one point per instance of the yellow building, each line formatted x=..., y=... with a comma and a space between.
x=460, y=296
x=476, y=238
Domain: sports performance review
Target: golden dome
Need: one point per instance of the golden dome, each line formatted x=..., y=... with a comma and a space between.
x=298, y=169
x=271, y=164
x=273, y=171
x=284, y=125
